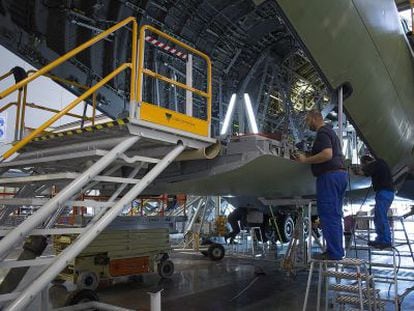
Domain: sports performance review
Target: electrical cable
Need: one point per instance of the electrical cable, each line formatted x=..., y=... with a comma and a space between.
x=355, y=223
x=49, y=6
x=352, y=211
x=398, y=268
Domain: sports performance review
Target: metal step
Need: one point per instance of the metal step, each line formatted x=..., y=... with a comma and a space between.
x=354, y=300
x=385, y=280
x=109, y=129
x=347, y=275
x=52, y=231
x=345, y=261
x=76, y=158
x=352, y=261
x=12, y=263
x=8, y=297
x=100, y=221
x=351, y=289
x=63, y=176
x=373, y=249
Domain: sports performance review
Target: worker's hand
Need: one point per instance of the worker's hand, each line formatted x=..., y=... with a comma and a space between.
x=300, y=157
x=357, y=170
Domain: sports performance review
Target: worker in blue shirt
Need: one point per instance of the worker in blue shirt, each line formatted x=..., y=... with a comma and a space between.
x=383, y=186
x=327, y=164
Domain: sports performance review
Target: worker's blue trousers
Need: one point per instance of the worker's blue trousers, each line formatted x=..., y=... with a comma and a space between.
x=330, y=190
x=383, y=200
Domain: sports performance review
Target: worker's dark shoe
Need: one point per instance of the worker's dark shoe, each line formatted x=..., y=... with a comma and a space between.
x=232, y=241
x=321, y=256
x=324, y=256
x=382, y=245
x=379, y=245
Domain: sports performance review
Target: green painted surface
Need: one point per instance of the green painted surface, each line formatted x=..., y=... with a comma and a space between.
x=362, y=42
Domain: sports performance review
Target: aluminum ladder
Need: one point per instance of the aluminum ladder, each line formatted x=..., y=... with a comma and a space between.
x=353, y=289
x=387, y=272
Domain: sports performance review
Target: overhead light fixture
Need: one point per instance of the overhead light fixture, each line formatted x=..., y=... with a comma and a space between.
x=275, y=98
x=250, y=114
x=229, y=113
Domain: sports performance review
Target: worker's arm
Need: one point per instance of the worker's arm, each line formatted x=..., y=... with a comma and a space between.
x=321, y=157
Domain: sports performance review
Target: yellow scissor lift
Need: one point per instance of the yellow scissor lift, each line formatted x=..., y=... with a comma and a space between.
x=75, y=161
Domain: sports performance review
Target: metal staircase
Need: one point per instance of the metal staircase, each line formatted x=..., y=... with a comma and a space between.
x=391, y=266
x=119, y=159
x=353, y=287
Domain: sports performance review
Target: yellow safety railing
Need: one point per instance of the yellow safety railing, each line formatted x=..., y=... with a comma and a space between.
x=152, y=113
x=6, y=75
x=21, y=104
x=21, y=99
x=90, y=91
x=48, y=109
x=76, y=84
x=146, y=111
x=71, y=83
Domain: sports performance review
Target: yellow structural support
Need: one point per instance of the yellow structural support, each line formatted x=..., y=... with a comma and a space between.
x=23, y=114
x=18, y=112
x=72, y=83
x=61, y=80
x=173, y=119
x=176, y=83
x=64, y=112
x=93, y=108
x=67, y=56
x=7, y=106
x=166, y=117
x=21, y=86
x=39, y=107
x=147, y=111
x=7, y=74
x=73, y=115
x=133, y=87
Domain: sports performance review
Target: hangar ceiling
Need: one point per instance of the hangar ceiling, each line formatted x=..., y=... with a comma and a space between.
x=251, y=47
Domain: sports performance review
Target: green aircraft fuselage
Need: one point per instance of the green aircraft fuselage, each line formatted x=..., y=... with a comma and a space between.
x=362, y=43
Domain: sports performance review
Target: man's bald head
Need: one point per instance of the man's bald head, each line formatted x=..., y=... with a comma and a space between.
x=314, y=120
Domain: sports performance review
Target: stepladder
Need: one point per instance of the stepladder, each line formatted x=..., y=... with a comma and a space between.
x=347, y=285
x=391, y=266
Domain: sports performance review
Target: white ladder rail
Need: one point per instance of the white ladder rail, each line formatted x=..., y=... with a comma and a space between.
x=135, y=171
x=21, y=231
x=113, y=197
x=365, y=294
x=394, y=252
x=91, y=231
x=53, y=231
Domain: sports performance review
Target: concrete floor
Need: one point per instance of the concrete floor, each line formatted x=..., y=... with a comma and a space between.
x=200, y=284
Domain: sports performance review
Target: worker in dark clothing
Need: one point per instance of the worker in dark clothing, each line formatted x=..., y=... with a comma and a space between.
x=384, y=195
x=239, y=214
x=19, y=73
x=327, y=164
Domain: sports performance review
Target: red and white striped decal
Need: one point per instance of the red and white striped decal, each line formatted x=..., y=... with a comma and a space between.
x=166, y=47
